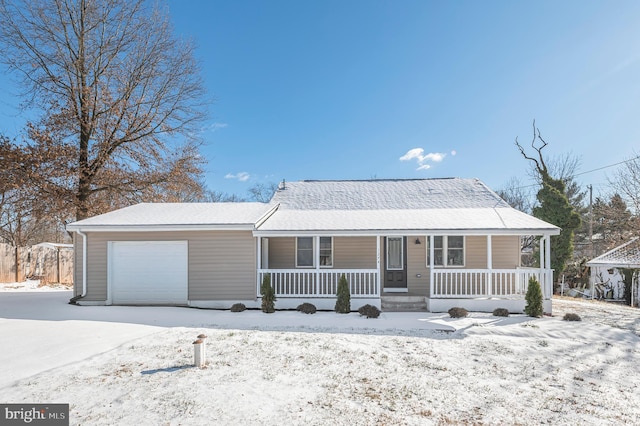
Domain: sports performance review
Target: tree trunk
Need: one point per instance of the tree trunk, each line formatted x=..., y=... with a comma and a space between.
x=17, y=255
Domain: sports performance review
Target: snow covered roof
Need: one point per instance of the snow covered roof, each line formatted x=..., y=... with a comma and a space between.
x=624, y=256
x=55, y=245
x=363, y=207
x=419, y=205
x=176, y=216
x=501, y=220
x=387, y=194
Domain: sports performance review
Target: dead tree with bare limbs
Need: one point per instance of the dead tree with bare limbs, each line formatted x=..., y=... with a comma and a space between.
x=553, y=205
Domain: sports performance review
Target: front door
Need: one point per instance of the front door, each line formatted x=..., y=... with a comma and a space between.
x=395, y=264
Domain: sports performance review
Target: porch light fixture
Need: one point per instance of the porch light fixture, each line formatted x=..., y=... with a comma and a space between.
x=418, y=241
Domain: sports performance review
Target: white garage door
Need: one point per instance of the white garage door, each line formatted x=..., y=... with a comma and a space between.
x=148, y=272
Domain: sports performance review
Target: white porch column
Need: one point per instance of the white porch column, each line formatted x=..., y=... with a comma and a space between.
x=547, y=249
x=431, y=262
x=543, y=262
x=549, y=278
x=259, y=266
x=379, y=281
x=489, y=265
x=316, y=262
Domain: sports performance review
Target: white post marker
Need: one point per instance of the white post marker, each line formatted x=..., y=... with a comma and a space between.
x=199, y=353
x=203, y=337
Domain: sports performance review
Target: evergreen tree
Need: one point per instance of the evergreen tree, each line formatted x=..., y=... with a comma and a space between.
x=554, y=207
x=533, y=298
x=268, y=295
x=343, y=304
x=612, y=222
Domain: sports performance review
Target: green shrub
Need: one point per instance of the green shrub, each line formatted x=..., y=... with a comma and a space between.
x=343, y=302
x=238, y=307
x=571, y=317
x=268, y=295
x=307, y=308
x=533, y=297
x=369, y=311
x=500, y=312
x=458, y=312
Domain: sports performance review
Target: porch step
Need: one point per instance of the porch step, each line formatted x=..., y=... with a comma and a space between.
x=403, y=303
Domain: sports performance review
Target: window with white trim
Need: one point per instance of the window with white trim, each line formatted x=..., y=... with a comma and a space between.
x=326, y=252
x=305, y=252
x=449, y=247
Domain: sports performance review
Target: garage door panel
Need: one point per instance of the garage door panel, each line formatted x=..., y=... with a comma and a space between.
x=151, y=272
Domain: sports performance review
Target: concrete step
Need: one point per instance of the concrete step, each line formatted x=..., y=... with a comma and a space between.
x=403, y=303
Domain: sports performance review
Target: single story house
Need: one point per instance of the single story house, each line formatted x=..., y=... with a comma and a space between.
x=448, y=242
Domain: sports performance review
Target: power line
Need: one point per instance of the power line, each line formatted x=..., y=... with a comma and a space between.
x=583, y=173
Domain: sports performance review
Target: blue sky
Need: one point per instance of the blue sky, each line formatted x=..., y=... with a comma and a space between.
x=408, y=89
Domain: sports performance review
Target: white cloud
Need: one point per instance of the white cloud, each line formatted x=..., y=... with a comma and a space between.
x=454, y=152
x=434, y=156
x=242, y=176
x=214, y=126
x=412, y=153
x=424, y=159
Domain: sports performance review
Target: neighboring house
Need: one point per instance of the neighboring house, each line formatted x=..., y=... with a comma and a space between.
x=607, y=279
x=448, y=242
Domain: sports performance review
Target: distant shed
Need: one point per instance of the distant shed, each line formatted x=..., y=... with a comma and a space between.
x=605, y=269
x=52, y=263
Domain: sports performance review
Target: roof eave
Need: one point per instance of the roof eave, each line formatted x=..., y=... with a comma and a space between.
x=161, y=228
x=416, y=232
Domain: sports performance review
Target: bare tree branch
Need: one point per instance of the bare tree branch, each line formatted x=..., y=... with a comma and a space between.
x=116, y=89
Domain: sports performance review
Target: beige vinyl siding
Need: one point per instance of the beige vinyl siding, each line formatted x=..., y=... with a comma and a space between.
x=77, y=264
x=416, y=265
x=221, y=263
x=222, y=266
x=354, y=253
x=475, y=250
x=506, y=251
x=282, y=253
x=348, y=253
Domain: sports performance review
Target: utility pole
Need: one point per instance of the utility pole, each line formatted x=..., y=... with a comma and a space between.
x=591, y=220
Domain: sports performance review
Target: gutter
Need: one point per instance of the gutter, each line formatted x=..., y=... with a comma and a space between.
x=74, y=299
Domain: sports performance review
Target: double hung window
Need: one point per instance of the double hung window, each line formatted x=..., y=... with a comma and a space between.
x=305, y=252
x=447, y=250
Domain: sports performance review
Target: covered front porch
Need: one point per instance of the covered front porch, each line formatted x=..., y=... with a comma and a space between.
x=480, y=272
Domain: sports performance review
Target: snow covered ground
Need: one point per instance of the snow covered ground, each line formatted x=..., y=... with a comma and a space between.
x=132, y=365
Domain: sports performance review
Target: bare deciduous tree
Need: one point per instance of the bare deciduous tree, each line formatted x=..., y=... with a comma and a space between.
x=121, y=97
x=626, y=182
x=263, y=192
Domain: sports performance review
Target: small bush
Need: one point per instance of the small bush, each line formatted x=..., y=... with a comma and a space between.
x=534, y=299
x=268, y=295
x=500, y=312
x=458, y=312
x=571, y=317
x=343, y=301
x=238, y=307
x=369, y=311
x=307, y=308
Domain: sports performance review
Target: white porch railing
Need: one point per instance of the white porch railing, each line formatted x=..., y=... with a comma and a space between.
x=498, y=283
x=363, y=283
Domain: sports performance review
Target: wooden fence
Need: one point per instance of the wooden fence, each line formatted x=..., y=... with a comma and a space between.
x=50, y=263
